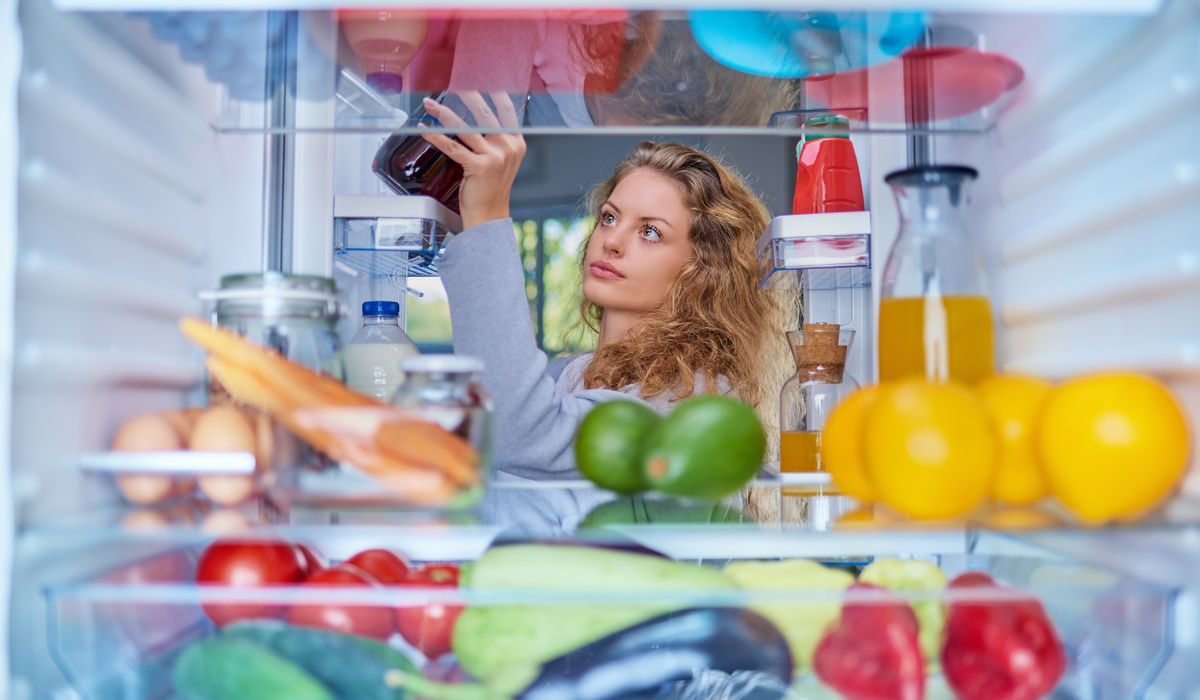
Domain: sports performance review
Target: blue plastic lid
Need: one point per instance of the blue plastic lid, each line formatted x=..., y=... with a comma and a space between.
x=380, y=308
x=790, y=44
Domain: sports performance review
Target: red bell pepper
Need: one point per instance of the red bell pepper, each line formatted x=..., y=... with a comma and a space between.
x=872, y=651
x=1000, y=649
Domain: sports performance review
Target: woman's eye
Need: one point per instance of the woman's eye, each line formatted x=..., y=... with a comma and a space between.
x=607, y=218
x=651, y=234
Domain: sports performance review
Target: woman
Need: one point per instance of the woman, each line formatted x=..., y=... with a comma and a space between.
x=670, y=285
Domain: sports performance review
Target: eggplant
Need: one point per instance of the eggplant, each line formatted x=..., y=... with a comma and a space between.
x=701, y=653
x=613, y=542
x=662, y=656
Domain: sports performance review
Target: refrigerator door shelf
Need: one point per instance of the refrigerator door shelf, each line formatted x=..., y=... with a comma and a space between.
x=168, y=463
x=390, y=236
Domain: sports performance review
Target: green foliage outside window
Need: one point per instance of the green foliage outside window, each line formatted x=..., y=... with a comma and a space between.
x=550, y=251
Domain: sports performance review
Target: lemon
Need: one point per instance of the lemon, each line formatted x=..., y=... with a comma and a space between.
x=842, y=444
x=930, y=451
x=1013, y=402
x=1113, y=446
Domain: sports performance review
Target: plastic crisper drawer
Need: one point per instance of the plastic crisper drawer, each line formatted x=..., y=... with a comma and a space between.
x=119, y=634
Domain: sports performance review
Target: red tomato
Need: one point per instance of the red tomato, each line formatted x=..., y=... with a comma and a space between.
x=313, y=562
x=386, y=566
x=364, y=620
x=430, y=627
x=248, y=564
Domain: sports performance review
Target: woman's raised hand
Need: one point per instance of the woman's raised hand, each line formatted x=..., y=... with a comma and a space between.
x=489, y=162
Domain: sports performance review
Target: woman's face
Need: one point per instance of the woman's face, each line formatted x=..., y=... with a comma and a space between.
x=639, y=246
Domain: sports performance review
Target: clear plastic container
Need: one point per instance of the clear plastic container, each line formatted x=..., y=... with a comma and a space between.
x=122, y=632
x=372, y=357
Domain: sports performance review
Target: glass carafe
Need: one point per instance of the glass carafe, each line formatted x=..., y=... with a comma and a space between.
x=935, y=319
x=807, y=399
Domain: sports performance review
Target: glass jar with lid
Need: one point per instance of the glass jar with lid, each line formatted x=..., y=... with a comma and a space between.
x=295, y=315
x=446, y=389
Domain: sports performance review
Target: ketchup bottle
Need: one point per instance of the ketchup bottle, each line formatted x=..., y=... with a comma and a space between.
x=827, y=178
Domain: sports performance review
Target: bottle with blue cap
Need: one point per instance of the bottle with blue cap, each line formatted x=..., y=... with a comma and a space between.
x=372, y=357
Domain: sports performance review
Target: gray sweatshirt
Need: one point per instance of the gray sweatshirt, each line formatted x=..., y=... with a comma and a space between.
x=537, y=408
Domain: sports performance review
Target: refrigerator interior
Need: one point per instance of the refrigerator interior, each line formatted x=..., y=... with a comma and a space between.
x=139, y=177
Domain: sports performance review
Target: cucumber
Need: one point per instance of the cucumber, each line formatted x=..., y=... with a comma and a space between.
x=230, y=669
x=352, y=667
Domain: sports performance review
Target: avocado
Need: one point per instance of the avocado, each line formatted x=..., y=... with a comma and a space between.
x=608, y=445
x=709, y=447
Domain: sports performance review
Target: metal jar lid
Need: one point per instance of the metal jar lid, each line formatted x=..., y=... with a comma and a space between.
x=275, y=294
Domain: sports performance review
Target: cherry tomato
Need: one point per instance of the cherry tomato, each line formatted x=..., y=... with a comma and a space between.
x=364, y=620
x=389, y=568
x=430, y=627
x=313, y=562
x=248, y=564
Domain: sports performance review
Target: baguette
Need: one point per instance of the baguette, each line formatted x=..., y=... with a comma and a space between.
x=280, y=374
x=295, y=395
x=421, y=483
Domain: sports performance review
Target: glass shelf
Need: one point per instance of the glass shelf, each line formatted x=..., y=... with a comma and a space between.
x=779, y=518
x=599, y=71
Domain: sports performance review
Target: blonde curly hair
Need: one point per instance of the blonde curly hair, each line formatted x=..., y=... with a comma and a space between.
x=715, y=321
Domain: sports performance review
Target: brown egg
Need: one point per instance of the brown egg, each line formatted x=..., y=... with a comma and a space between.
x=144, y=489
x=225, y=429
x=224, y=521
x=227, y=489
x=144, y=520
x=148, y=432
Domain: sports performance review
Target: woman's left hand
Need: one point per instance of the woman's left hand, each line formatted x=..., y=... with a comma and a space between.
x=490, y=162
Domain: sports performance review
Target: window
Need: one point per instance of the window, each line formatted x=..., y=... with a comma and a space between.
x=550, y=250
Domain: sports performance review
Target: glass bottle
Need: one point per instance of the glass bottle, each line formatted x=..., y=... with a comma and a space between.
x=808, y=398
x=935, y=319
x=372, y=357
x=408, y=164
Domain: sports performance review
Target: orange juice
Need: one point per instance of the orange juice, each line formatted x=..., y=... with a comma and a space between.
x=940, y=338
x=799, y=451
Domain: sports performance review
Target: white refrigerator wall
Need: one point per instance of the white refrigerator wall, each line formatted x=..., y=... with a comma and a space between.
x=1093, y=222
x=127, y=204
